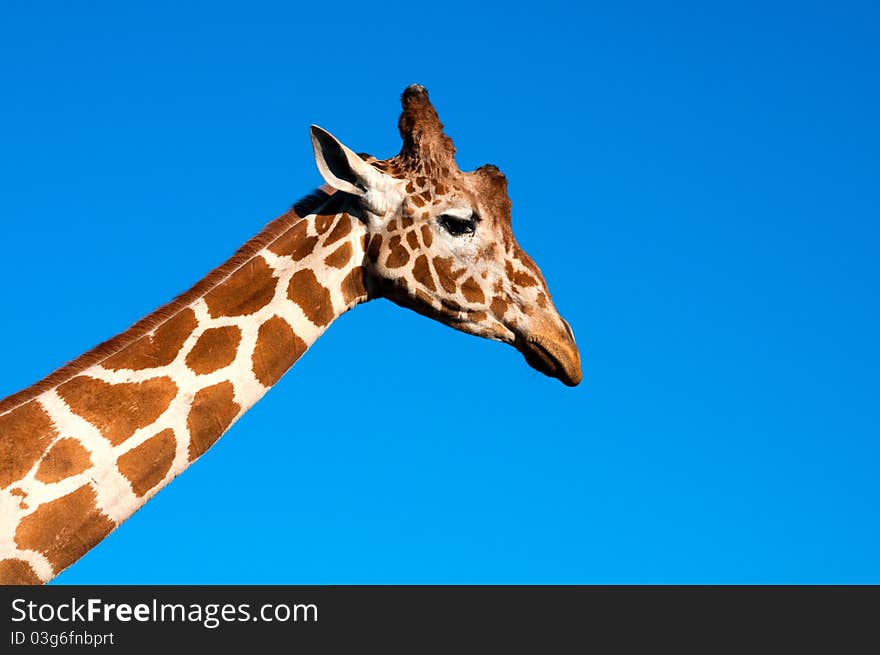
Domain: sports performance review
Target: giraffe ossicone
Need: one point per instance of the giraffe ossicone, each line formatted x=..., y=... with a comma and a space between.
x=84, y=448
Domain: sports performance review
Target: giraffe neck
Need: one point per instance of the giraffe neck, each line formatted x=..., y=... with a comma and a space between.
x=85, y=448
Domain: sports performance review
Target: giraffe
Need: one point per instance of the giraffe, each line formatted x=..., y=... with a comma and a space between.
x=87, y=446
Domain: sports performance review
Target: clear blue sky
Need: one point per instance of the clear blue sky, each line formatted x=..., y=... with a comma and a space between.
x=700, y=186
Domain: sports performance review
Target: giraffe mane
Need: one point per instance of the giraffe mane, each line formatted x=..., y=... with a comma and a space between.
x=309, y=204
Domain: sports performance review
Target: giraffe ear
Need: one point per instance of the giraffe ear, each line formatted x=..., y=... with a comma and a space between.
x=340, y=167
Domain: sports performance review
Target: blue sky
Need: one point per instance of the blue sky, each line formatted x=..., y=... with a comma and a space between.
x=699, y=185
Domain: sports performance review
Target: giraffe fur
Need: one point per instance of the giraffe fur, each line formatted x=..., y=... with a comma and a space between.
x=86, y=447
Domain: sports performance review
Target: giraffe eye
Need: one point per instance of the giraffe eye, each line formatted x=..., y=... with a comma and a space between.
x=457, y=226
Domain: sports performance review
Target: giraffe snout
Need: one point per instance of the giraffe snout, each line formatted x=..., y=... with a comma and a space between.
x=551, y=349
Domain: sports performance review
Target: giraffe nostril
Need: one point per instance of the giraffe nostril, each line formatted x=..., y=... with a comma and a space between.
x=568, y=329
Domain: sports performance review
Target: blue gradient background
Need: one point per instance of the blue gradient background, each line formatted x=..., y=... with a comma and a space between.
x=699, y=186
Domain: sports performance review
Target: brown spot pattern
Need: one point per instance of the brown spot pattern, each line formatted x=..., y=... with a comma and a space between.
x=472, y=291
x=445, y=274
x=313, y=298
x=278, y=347
x=519, y=278
x=427, y=236
x=498, y=307
x=406, y=222
x=117, y=410
x=290, y=240
x=375, y=248
x=246, y=291
x=67, y=457
x=215, y=349
x=146, y=465
x=323, y=222
x=213, y=410
x=295, y=243
x=304, y=248
x=25, y=433
x=353, y=287
x=342, y=228
x=422, y=272
x=17, y=571
x=158, y=349
x=339, y=257
x=65, y=529
x=412, y=239
x=397, y=253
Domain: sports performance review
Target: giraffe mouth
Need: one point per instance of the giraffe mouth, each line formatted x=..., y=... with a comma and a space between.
x=555, y=360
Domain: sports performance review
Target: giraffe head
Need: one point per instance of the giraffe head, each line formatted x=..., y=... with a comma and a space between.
x=440, y=240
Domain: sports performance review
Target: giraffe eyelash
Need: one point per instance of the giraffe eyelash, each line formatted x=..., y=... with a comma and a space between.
x=457, y=226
